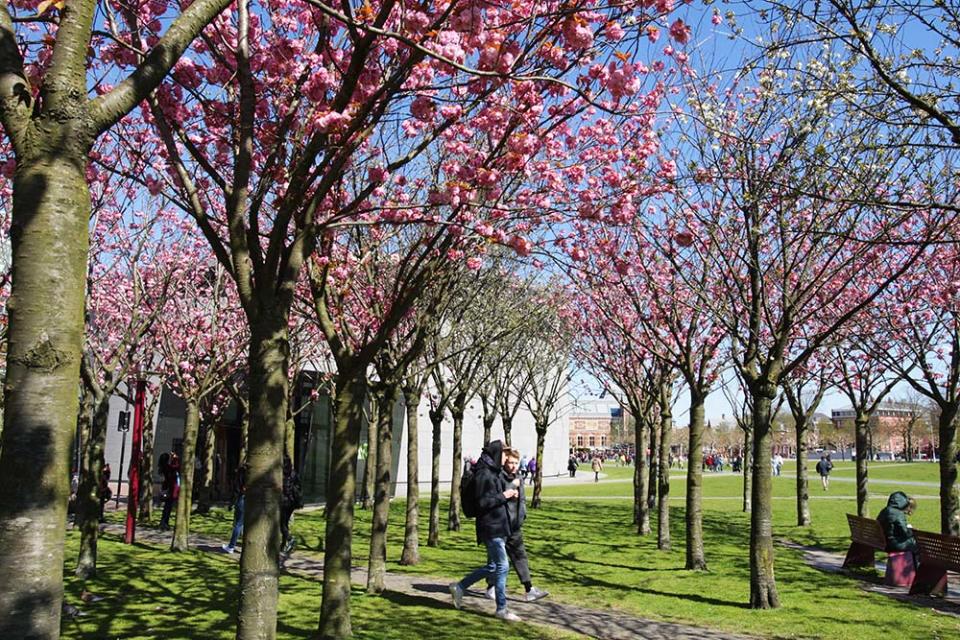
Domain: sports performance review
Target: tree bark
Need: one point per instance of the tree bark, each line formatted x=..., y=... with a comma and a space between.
x=411, y=529
x=488, y=420
x=538, y=474
x=663, y=512
x=146, y=463
x=268, y=393
x=377, y=563
x=861, y=426
x=507, y=422
x=370, y=465
x=747, y=469
x=191, y=430
x=205, y=495
x=654, y=446
x=341, y=493
x=456, y=471
x=51, y=209
x=641, y=510
x=803, y=483
x=694, y=521
x=433, y=534
x=949, y=490
x=763, y=586
x=88, y=493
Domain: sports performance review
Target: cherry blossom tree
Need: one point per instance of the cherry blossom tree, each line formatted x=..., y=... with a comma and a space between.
x=62, y=88
x=135, y=264
x=759, y=205
x=202, y=337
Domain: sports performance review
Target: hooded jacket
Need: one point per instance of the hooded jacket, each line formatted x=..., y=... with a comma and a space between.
x=893, y=519
x=489, y=484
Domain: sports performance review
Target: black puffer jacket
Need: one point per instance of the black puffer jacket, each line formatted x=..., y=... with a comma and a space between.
x=489, y=484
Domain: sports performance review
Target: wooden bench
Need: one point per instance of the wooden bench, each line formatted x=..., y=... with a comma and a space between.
x=866, y=537
x=939, y=553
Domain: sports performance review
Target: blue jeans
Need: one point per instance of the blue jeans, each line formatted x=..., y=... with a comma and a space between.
x=497, y=567
x=237, y=522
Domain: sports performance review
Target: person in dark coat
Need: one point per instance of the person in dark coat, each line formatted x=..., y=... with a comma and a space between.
x=824, y=467
x=516, y=551
x=240, y=492
x=290, y=500
x=170, y=470
x=893, y=519
x=492, y=493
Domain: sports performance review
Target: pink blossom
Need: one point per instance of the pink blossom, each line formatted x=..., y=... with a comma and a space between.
x=423, y=108
x=614, y=31
x=521, y=245
x=577, y=34
x=474, y=263
x=716, y=18
x=653, y=33
x=680, y=32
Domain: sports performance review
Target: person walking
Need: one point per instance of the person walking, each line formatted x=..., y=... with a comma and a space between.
x=597, y=466
x=290, y=500
x=491, y=493
x=170, y=470
x=516, y=551
x=824, y=467
x=240, y=492
x=572, y=466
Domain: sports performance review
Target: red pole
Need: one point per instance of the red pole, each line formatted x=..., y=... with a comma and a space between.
x=133, y=495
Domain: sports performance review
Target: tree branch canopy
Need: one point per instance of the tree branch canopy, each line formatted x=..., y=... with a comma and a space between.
x=108, y=109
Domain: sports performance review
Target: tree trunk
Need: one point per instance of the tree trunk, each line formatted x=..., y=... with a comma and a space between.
x=641, y=510
x=205, y=495
x=488, y=420
x=763, y=586
x=370, y=464
x=654, y=446
x=663, y=493
x=268, y=393
x=694, y=521
x=433, y=535
x=146, y=463
x=507, y=421
x=377, y=563
x=456, y=471
x=861, y=426
x=538, y=474
x=191, y=429
x=803, y=483
x=244, y=433
x=88, y=493
x=747, y=469
x=51, y=210
x=341, y=493
x=949, y=496
x=411, y=528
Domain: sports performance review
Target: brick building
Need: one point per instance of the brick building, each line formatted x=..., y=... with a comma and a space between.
x=596, y=423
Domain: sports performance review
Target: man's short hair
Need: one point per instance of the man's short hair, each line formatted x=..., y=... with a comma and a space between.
x=512, y=453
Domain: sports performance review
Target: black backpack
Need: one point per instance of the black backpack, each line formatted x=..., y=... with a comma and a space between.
x=468, y=494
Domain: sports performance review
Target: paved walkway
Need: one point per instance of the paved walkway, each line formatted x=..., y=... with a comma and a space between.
x=603, y=624
x=833, y=563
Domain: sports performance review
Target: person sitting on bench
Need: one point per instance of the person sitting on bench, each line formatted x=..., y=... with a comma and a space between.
x=893, y=519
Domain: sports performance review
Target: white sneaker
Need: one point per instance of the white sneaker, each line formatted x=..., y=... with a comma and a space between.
x=505, y=614
x=491, y=593
x=535, y=594
x=227, y=548
x=457, y=592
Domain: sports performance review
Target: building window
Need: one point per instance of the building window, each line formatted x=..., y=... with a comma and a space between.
x=603, y=441
x=579, y=441
x=593, y=441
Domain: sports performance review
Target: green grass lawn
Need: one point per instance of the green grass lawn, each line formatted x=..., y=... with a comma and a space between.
x=585, y=551
x=151, y=593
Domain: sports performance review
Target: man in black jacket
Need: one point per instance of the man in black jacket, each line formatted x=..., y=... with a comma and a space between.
x=493, y=527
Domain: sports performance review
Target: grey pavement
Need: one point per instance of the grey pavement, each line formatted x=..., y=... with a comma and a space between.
x=603, y=624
